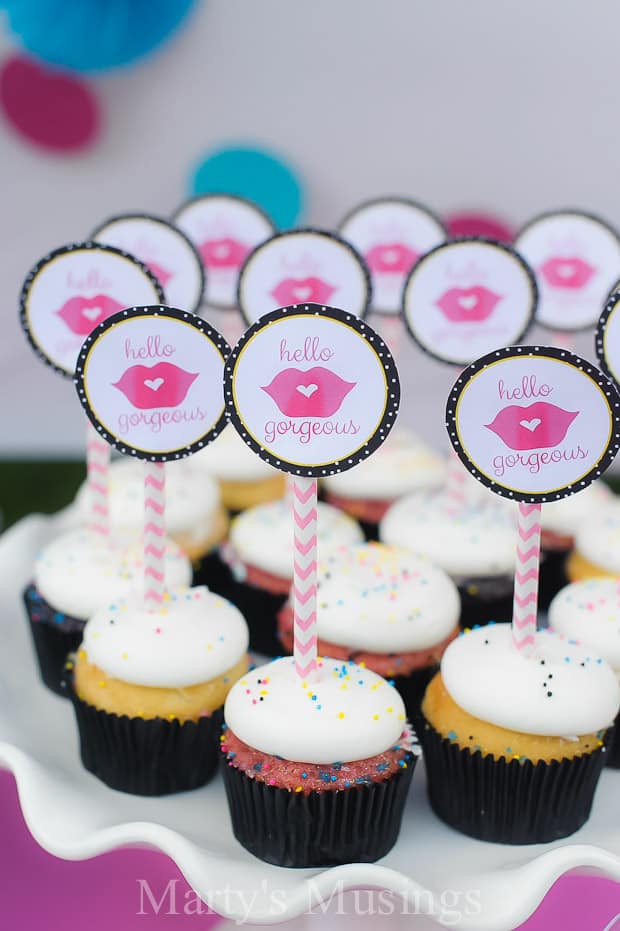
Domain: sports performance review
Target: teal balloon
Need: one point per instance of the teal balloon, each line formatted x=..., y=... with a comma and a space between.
x=258, y=176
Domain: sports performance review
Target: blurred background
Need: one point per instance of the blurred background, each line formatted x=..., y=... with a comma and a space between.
x=509, y=109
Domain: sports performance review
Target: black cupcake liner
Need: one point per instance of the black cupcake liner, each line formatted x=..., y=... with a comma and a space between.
x=356, y=825
x=53, y=636
x=486, y=599
x=212, y=571
x=508, y=802
x=413, y=687
x=552, y=576
x=260, y=609
x=146, y=757
x=612, y=759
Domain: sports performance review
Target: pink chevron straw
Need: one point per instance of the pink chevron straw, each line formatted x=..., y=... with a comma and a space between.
x=154, y=533
x=304, y=497
x=525, y=604
x=456, y=484
x=97, y=471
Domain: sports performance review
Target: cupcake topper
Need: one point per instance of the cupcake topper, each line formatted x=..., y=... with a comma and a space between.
x=313, y=391
x=303, y=266
x=166, y=251
x=607, y=337
x=150, y=380
x=576, y=258
x=461, y=300
x=534, y=424
x=224, y=229
x=67, y=294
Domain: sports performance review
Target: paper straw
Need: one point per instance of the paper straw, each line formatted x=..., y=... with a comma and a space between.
x=97, y=471
x=456, y=484
x=525, y=605
x=305, y=575
x=154, y=533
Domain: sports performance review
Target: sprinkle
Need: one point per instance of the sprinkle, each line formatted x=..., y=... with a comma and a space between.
x=341, y=714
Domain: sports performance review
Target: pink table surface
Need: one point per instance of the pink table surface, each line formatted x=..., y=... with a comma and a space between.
x=39, y=892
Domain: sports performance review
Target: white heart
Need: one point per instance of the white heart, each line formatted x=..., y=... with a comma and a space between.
x=153, y=383
x=221, y=252
x=390, y=256
x=91, y=313
x=302, y=294
x=467, y=302
x=307, y=390
x=566, y=271
x=530, y=424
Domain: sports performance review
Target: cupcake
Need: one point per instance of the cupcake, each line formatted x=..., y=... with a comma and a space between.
x=74, y=576
x=259, y=554
x=561, y=520
x=316, y=772
x=148, y=689
x=403, y=464
x=514, y=745
x=244, y=479
x=589, y=612
x=384, y=608
x=195, y=517
x=597, y=547
x=476, y=545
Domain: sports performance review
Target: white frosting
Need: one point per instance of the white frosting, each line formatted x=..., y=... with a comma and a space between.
x=566, y=516
x=355, y=714
x=401, y=465
x=229, y=459
x=384, y=599
x=598, y=540
x=563, y=690
x=194, y=637
x=590, y=611
x=479, y=540
x=79, y=571
x=192, y=497
x=263, y=536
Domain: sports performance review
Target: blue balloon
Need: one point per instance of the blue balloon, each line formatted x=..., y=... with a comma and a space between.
x=93, y=35
x=256, y=175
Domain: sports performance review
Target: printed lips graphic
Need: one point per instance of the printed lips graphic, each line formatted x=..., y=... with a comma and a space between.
x=571, y=273
x=391, y=258
x=161, y=385
x=162, y=275
x=539, y=426
x=83, y=314
x=468, y=305
x=315, y=393
x=223, y=253
x=295, y=290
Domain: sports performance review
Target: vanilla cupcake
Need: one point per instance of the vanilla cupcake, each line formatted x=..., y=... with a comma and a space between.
x=148, y=689
x=475, y=544
x=195, y=516
x=402, y=465
x=597, y=547
x=259, y=554
x=384, y=608
x=316, y=772
x=589, y=612
x=514, y=745
x=74, y=576
x=244, y=479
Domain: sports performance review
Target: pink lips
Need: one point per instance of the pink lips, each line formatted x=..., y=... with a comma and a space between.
x=223, y=253
x=391, y=258
x=161, y=385
x=83, y=314
x=162, y=275
x=539, y=426
x=318, y=392
x=570, y=273
x=297, y=290
x=468, y=305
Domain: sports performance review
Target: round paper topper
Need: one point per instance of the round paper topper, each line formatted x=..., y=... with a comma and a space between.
x=150, y=380
x=311, y=389
x=466, y=297
x=73, y=289
x=607, y=337
x=391, y=233
x=576, y=258
x=164, y=249
x=300, y=267
x=224, y=229
x=534, y=423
